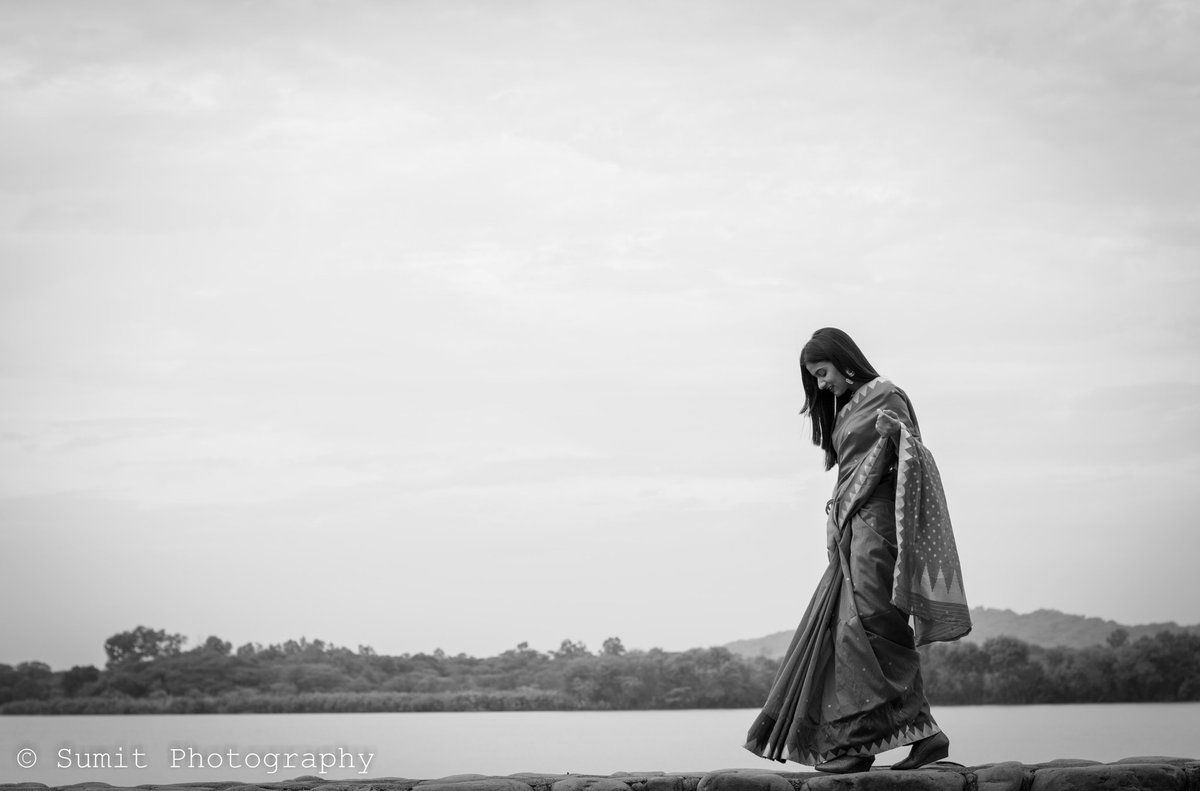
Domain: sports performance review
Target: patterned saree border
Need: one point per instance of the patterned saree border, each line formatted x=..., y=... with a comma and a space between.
x=859, y=395
x=906, y=735
x=944, y=617
x=867, y=465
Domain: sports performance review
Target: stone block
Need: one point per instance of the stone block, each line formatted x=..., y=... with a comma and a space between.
x=666, y=783
x=538, y=781
x=889, y=780
x=1110, y=777
x=590, y=783
x=743, y=780
x=454, y=779
x=1192, y=773
x=636, y=780
x=1008, y=776
x=690, y=781
x=473, y=783
x=1065, y=762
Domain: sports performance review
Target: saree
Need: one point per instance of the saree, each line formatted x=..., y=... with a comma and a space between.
x=850, y=681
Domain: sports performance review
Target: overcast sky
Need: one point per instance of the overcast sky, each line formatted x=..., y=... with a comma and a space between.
x=458, y=324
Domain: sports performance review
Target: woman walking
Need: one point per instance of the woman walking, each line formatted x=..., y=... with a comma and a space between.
x=849, y=686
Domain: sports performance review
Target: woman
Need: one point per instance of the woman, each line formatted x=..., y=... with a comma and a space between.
x=849, y=686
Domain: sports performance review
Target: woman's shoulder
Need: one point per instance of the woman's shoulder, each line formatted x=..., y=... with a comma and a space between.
x=882, y=386
x=889, y=395
x=885, y=393
x=879, y=392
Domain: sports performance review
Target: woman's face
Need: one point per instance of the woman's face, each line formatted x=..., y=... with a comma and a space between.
x=828, y=377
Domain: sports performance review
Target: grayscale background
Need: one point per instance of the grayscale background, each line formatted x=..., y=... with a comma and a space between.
x=460, y=324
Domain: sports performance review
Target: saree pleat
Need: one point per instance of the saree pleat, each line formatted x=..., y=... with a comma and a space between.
x=794, y=689
x=850, y=680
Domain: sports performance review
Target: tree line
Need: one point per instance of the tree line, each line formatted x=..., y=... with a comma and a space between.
x=150, y=671
x=1164, y=668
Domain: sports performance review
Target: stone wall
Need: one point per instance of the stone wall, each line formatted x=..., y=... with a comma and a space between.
x=1130, y=774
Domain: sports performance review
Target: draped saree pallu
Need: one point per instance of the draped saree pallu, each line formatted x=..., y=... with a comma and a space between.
x=850, y=682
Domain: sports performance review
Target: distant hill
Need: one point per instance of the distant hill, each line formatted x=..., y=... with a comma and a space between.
x=1048, y=628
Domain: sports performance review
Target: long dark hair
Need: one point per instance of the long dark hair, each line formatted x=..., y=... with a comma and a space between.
x=830, y=344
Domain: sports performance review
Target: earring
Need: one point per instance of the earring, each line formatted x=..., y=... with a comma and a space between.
x=849, y=375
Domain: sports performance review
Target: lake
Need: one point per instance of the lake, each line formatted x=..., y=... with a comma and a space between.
x=430, y=745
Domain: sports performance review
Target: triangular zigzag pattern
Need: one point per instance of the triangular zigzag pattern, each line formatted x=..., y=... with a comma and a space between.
x=900, y=738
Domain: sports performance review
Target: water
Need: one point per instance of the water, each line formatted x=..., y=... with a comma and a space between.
x=430, y=745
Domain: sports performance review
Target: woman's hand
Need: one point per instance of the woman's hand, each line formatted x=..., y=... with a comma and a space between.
x=888, y=424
